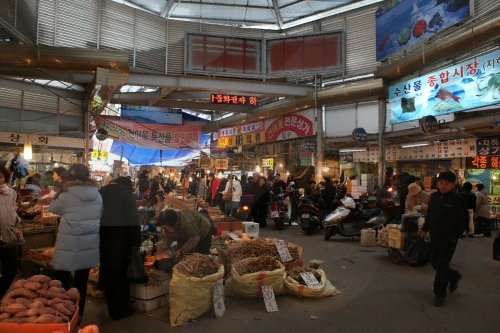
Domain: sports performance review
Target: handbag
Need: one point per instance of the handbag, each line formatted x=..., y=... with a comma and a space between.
x=136, y=273
x=228, y=196
x=11, y=236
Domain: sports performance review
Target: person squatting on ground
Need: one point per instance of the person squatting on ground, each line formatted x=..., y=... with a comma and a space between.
x=190, y=229
x=445, y=221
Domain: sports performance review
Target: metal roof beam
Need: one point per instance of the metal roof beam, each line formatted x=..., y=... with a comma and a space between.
x=218, y=85
x=41, y=89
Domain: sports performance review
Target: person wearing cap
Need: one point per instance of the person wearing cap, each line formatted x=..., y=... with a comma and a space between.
x=417, y=200
x=190, y=229
x=77, y=242
x=446, y=221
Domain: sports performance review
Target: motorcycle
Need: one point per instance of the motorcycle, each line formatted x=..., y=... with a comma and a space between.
x=277, y=208
x=310, y=213
x=292, y=200
x=347, y=220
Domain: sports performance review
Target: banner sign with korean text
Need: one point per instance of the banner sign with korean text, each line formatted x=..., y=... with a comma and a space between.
x=290, y=126
x=371, y=155
x=446, y=149
x=240, y=135
x=467, y=85
x=402, y=23
x=147, y=114
x=488, y=146
x=483, y=162
x=234, y=99
x=152, y=136
x=41, y=141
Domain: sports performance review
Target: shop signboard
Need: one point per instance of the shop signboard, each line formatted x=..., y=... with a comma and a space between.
x=445, y=149
x=41, y=141
x=402, y=23
x=309, y=144
x=483, y=162
x=371, y=155
x=221, y=163
x=290, y=126
x=241, y=135
x=488, y=146
x=151, y=136
x=466, y=85
x=359, y=135
x=345, y=157
x=267, y=162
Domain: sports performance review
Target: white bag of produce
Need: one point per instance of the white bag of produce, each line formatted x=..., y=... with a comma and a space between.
x=190, y=297
x=250, y=285
x=301, y=290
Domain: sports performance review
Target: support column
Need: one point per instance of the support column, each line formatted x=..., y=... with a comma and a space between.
x=382, y=117
x=319, y=144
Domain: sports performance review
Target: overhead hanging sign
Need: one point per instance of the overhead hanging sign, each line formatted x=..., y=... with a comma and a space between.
x=402, y=23
x=152, y=136
x=241, y=135
x=290, y=126
x=41, y=141
x=146, y=114
x=234, y=99
x=467, y=85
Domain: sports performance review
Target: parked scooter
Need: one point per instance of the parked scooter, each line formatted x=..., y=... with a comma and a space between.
x=346, y=220
x=310, y=213
x=277, y=208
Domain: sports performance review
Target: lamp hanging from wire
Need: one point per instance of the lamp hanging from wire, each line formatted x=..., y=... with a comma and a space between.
x=28, y=150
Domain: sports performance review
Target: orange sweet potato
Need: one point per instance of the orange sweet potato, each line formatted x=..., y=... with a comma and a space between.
x=30, y=319
x=23, y=301
x=33, y=286
x=19, y=283
x=47, y=311
x=36, y=304
x=21, y=292
x=72, y=294
x=48, y=318
x=4, y=315
x=61, y=308
x=15, y=308
x=39, y=278
x=57, y=289
x=55, y=283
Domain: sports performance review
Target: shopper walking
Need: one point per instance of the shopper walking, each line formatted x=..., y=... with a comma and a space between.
x=120, y=231
x=77, y=243
x=9, y=218
x=482, y=212
x=446, y=221
x=471, y=199
x=234, y=185
x=260, y=202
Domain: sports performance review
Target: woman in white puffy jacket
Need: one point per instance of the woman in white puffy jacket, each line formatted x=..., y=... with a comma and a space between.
x=232, y=207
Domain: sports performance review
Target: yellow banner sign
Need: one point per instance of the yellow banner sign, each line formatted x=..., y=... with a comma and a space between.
x=221, y=163
x=241, y=140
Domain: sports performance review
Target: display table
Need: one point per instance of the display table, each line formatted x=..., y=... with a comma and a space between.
x=38, y=238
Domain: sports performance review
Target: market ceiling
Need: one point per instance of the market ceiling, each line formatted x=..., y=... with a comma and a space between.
x=78, y=73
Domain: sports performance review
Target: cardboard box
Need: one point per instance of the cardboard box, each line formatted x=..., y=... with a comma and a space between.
x=229, y=225
x=148, y=292
x=147, y=297
x=396, y=238
x=251, y=229
x=151, y=304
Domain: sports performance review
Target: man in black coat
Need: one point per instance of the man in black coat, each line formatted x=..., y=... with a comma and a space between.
x=446, y=220
x=120, y=231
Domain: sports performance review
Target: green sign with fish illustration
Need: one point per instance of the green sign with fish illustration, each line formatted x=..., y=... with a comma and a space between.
x=467, y=85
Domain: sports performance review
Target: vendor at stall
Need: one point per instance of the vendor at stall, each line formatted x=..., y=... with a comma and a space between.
x=189, y=228
x=417, y=200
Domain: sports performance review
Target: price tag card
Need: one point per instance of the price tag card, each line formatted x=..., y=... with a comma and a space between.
x=218, y=300
x=269, y=299
x=233, y=236
x=283, y=251
x=310, y=280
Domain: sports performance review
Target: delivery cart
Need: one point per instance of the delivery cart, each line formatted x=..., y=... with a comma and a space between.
x=398, y=238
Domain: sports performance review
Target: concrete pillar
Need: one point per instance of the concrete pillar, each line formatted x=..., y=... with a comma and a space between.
x=382, y=117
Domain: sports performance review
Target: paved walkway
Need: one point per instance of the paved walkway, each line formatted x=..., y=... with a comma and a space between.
x=376, y=296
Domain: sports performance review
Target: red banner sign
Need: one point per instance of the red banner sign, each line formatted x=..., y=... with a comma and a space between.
x=288, y=127
x=153, y=136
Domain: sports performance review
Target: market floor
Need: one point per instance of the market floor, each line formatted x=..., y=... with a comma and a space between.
x=376, y=296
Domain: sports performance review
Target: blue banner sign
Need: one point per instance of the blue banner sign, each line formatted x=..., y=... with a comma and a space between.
x=467, y=85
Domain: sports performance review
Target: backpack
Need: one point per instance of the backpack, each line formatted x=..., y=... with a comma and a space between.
x=418, y=253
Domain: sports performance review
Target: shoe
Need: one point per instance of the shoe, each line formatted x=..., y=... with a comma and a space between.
x=438, y=301
x=454, y=283
x=478, y=235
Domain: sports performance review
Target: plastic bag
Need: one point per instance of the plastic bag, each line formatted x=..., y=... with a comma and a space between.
x=327, y=289
x=136, y=273
x=418, y=253
x=190, y=297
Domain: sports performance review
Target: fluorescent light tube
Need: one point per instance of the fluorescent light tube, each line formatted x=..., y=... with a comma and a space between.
x=411, y=145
